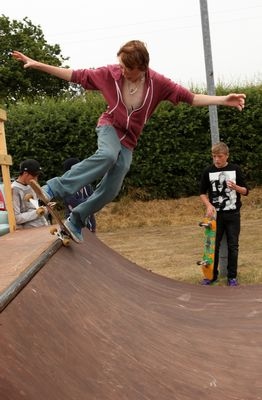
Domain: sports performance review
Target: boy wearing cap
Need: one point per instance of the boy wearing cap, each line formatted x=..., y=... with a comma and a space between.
x=26, y=215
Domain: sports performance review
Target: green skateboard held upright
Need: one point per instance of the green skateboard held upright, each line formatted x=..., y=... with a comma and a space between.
x=207, y=262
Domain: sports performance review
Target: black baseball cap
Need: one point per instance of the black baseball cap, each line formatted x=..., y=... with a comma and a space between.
x=67, y=164
x=31, y=166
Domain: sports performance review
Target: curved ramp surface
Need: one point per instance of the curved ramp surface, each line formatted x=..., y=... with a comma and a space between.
x=92, y=325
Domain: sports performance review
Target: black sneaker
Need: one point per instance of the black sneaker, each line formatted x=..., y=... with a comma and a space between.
x=207, y=282
x=232, y=282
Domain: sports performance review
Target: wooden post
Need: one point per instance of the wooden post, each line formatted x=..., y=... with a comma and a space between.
x=5, y=162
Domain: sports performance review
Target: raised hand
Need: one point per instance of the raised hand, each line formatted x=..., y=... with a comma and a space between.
x=235, y=100
x=28, y=62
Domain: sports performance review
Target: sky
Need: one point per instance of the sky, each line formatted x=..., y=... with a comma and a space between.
x=91, y=32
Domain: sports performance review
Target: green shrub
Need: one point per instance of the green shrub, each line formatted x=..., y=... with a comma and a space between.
x=172, y=151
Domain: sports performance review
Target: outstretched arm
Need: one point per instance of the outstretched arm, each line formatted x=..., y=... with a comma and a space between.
x=231, y=100
x=59, y=72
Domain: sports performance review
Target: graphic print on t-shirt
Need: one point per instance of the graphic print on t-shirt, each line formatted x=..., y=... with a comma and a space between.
x=223, y=198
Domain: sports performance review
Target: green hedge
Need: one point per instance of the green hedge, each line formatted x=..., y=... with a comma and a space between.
x=171, y=153
x=52, y=130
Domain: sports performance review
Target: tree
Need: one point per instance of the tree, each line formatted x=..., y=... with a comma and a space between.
x=15, y=81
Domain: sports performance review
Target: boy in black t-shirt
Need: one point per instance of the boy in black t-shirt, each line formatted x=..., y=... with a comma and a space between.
x=221, y=187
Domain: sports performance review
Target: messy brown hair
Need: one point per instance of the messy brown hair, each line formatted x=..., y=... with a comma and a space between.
x=220, y=147
x=134, y=54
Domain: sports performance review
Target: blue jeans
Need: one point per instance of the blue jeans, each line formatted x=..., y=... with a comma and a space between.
x=228, y=222
x=111, y=162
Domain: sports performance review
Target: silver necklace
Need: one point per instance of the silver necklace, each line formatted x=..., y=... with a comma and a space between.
x=133, y=90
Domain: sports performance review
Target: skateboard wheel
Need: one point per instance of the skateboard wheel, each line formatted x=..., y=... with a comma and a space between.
x=66, y=242
x=28, y=197
x=203, y=263
x=206, y=224
x=40, y=211
x=53, y=230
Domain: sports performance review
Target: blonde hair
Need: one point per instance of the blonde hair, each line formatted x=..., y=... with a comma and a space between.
x=220, y=147
x=134, y=54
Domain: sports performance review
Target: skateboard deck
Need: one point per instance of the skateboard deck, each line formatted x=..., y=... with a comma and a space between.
x=61, y=231
x=207, y=262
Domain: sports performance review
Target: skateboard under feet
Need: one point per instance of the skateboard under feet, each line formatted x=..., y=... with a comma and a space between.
x=61, y=231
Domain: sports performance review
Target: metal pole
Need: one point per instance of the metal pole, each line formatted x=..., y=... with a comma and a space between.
x=213, y=117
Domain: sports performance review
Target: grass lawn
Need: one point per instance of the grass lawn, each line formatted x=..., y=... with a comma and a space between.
x=164, y=237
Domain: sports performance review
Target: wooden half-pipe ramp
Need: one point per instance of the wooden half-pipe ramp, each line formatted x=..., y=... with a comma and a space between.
x=91, y=325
